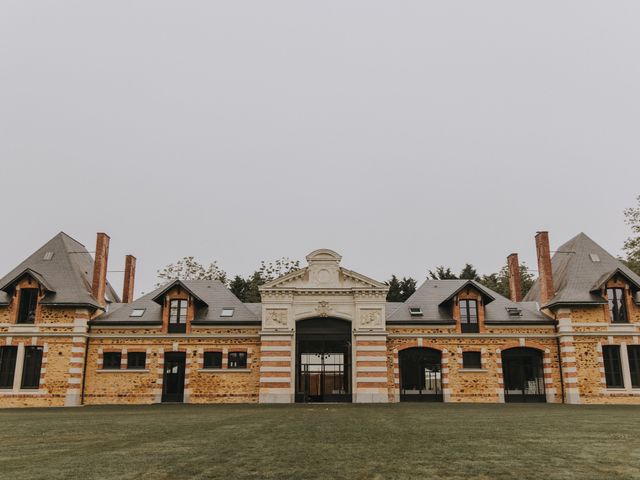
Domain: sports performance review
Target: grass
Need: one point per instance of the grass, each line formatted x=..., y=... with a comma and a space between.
x=435, y=441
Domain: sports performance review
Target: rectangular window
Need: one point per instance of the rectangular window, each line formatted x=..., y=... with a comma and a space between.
x=227, y=312
x=212, y=359
x=178, y=316
x=469, y=316
x=633, y=352
x=111, y=360
x=617, y=305
x=136, y=360
x=7, y=366
x=612, y=366
x=237, y=359
x=471, y=360
x=31, y=368
x=28, y=304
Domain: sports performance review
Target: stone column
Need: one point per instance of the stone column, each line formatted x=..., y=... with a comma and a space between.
x=568, y=357
x=277, y=367
x=370, y=371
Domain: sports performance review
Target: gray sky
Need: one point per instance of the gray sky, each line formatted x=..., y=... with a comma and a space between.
x=402, y=134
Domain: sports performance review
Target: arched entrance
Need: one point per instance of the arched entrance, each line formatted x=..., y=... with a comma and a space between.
x=420, y=376
x=323, y=360
x=523, y=375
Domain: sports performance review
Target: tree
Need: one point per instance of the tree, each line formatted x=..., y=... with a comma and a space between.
x=469, y=273
x=632, y=244
x=189, y=269
x=400, y=290
x=239, y=287
x=499, y=282
x=248, y=290
x=442, y=273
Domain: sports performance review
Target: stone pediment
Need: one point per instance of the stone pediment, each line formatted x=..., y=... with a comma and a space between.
x=323, y=273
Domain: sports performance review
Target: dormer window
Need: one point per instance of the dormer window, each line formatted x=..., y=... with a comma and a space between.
x=469, y=316
x=137, y=312
x=28, y=305
x=178, y=316
x=415, y=311
x=617, y=305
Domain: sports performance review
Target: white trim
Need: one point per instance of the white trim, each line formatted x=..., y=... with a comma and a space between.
x=122, y=370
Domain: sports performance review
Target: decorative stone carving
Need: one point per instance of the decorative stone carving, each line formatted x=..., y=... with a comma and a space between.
x=277, y=318
x=323, y=309
x=371, y=318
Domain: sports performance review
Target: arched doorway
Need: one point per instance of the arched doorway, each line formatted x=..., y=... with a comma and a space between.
x=323, y=360
x=523, y=375
x=420, y=375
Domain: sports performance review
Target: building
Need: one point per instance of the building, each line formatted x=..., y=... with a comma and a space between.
x=321, y=334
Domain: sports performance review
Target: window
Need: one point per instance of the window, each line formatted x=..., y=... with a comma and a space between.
x=31, y=368
x=633, y=352
x=227, y=312
x=469, y=316
x=212, y=359
x=111, y=360
x=48, y=256
x=237, y=359
x=612, y=366
x=415, y=311
x=471, y=360
x=617, y=307
x=28, y=303
x=178, y=316
x=137, y=312
x=7, y=366
x=136, y=360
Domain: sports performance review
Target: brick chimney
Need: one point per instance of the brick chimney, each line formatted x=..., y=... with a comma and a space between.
x=545, y=273
x=515, y=282
x=99, y=284
x=129, y=278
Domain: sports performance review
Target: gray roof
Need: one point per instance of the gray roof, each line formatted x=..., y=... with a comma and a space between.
x=577, y=278
x=214, y=297
x=66, y=276
x=432, y=298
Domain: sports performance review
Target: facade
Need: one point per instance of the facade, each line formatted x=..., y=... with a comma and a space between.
x=321, y=334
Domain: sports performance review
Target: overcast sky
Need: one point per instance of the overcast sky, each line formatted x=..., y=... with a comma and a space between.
x=402, y=134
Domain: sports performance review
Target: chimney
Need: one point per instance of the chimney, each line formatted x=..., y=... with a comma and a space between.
x=545, y=274
x=129, y=278
x=99, y=284
x=515, y=282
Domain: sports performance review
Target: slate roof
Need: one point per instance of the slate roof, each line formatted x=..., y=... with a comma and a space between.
x=67, y=275
x=577, y=278
x=431, y=297
x=214, y=297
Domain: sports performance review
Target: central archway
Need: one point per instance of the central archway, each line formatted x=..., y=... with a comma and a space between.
x=323, y=360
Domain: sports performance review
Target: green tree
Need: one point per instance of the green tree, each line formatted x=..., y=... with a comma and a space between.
x=238, y=287
x=632, y=244
x=400, y=290
x=188, y=268
x=499, y=282
x=442, y=273
x=469, y=273
x=250, y=289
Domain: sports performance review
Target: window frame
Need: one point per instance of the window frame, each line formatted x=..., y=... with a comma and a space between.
x=617, y=313
x=137, y=312
x=237, y=355
x=136, y=354
x=465, y=360
x=466, y=325
x=114, y=355
x=23, y=309
x=8, y=372
x=227, y=309
x=633, y=356
x=180, y=323
x=31, y=367
x=614, y=377
x=209, y=365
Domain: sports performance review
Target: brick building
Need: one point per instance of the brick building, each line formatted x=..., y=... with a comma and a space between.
x=321, y=333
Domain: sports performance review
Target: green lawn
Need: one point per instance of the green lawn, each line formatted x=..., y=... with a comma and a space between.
x=322, y=441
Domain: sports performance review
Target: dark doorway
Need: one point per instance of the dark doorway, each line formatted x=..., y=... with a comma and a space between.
x=420, y=375
x=323, y=352
x=523, y=375
x=173, y=381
